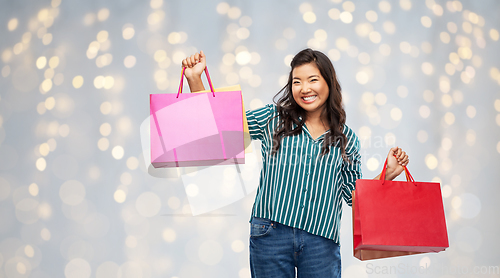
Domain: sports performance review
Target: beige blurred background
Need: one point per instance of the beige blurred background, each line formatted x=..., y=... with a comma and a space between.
x=77, y=199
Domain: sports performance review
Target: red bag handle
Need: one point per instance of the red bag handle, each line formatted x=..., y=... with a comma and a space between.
x=409, y=177
x=182, y=82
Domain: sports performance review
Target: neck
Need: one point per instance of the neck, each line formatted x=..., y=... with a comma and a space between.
x=314, y=117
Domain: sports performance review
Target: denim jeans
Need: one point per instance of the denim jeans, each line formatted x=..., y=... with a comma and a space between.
x=280, y=251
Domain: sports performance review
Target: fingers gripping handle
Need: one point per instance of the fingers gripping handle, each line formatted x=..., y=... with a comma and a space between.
x=409, y=177
x=182, y=81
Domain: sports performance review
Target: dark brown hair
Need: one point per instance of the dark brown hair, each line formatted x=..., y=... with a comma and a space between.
x=289, y=111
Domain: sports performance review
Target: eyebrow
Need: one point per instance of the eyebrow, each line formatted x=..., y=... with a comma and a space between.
x=315, y=75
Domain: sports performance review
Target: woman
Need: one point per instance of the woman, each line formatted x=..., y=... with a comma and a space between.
x=310, y=161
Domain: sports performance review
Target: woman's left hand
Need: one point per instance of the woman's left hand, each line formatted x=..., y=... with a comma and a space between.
x=396, y=160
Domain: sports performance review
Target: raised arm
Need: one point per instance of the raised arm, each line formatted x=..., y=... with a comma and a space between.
x=195, y=65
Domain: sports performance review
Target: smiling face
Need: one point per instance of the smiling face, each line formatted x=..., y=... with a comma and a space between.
x=309, y=89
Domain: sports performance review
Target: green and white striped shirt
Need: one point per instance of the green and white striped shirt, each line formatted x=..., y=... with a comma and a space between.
x=298, y=186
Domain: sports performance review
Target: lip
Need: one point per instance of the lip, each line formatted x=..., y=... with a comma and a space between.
x=308, y=101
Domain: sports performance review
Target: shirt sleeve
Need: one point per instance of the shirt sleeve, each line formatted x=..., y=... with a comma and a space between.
x=258, y=121
x=350, y=172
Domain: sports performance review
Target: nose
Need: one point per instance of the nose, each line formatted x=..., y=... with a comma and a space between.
x=306, y=89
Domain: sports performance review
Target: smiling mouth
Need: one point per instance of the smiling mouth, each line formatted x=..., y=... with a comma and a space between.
x=309, y=98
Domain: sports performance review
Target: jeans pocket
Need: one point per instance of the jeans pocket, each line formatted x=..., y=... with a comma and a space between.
x=260, y=227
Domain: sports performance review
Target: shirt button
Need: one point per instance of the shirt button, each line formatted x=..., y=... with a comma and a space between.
x=305, y=190
x=302, y=206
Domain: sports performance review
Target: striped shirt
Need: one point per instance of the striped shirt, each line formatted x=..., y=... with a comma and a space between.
x=298, y=186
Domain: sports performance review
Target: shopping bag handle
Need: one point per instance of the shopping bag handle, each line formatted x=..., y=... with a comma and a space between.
x=208, y=77
x=409, y=177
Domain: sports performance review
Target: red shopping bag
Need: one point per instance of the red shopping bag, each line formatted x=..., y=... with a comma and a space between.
x=199, y=129
x=397, y=218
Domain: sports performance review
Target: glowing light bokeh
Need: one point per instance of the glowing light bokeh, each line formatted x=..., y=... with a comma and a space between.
x=422, y=75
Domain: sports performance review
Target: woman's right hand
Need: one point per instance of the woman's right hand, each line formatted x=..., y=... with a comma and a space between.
x=195, y=65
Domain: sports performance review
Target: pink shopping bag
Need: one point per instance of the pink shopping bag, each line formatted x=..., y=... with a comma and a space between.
x=199, y=129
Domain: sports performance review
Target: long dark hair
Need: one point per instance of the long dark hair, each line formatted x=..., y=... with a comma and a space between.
x=289, y=111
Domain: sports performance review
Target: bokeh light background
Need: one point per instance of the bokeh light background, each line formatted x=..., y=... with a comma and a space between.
x=76, y=199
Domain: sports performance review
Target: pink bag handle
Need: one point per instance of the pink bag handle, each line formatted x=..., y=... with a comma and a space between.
x=409, y=177
x=182, y=82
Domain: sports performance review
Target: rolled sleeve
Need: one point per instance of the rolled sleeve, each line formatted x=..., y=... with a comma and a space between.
x=258, y=121
x=350, y=171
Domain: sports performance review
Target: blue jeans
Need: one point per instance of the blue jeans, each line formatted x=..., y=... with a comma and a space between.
x=276, y=250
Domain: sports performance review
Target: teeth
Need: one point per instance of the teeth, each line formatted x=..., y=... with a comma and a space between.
x=309, y=98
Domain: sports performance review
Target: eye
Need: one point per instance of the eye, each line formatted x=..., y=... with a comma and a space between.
x=314, y=79
x=295, y=82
